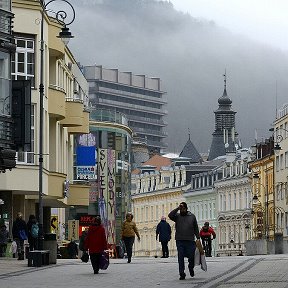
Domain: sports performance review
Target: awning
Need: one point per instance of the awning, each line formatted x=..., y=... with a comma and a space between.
x=53, y=203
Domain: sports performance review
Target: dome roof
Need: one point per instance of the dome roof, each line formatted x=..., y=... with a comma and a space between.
x=224, y=99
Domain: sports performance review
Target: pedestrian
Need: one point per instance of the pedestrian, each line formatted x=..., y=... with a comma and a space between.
x=207, y=233
x=72, y=249
x=96, y=243
x=164, y=231
x=82, y=239
x=13, y=248
x=186, y=230
x=4, y=235
x=19, y=232
x=33, y=231
x=129, y=230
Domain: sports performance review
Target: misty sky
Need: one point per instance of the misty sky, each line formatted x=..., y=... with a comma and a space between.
x=190, y=56
x=262, y=20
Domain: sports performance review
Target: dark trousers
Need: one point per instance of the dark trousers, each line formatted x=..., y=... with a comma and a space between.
x=20, y=248
x=206, y=243
x=33, y=243
x=3, y=248
x=95, y=259
x=165, y=250
x=185, y=248
x=129, y=241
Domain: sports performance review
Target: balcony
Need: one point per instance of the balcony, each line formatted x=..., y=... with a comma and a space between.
x=84, y=128
x=73, y=113
x=55, y=44
x=105, y=115
x=56, y=184
x=56, y=102
x=78, y=195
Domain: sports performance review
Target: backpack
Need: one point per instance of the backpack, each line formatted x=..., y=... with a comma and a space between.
x=34, y=230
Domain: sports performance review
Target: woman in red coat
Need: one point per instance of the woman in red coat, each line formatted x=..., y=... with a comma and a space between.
x=96, y=243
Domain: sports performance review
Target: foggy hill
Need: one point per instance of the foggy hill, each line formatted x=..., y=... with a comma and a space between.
x=190, y=56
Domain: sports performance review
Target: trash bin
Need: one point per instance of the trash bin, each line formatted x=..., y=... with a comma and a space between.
x=50, y=243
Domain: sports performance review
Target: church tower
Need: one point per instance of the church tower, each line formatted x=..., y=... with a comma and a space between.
x=224, y=137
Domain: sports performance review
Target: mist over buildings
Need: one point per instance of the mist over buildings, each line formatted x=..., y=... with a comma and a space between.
x=190, y=56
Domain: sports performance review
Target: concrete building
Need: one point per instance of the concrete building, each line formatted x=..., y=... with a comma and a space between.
x=65, y=114
x=139, y=97
x=156, y=189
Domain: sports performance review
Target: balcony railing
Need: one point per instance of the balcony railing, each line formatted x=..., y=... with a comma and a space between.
x=105, y=115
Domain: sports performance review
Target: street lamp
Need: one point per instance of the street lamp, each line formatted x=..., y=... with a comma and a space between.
x=65, y=35
x=277, y=148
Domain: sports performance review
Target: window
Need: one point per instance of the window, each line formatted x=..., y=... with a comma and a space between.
x=281, y=161
x=29, y=157
x=5, y=97
x=286, y=159
x=23, y=61
x=235, y=201
x=277, y=163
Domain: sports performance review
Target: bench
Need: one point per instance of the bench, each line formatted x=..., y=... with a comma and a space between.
x=37, y=258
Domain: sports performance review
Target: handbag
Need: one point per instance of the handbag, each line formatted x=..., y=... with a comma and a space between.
x=22, y=234
x=104, y=260
x=85, y=257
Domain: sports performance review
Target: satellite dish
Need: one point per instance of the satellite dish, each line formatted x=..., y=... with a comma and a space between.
x=226, y=145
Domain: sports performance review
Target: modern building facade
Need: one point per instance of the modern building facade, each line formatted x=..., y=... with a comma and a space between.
x=65, y=114
x=103, y=159
x=139, y=97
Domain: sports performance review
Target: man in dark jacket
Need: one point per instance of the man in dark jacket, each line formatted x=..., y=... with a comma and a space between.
x=186, y=230
x=164, y=231
x=20, y=232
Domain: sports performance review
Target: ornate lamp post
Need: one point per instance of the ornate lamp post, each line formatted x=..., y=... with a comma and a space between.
x=65, y=36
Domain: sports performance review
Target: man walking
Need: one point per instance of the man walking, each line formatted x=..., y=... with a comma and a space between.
x=186, y=230
x=164, y=231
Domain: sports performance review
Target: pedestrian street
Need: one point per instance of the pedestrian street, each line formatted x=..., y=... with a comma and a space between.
x=235, y=271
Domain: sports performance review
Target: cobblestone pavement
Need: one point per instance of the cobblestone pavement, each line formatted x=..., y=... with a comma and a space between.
x=223, y=272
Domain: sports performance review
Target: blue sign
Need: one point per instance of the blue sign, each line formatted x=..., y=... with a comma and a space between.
x=86, y=156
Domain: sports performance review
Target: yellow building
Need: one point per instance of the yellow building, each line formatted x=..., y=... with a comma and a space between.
x=64, y=111
x=262, y=181
x=156, y=189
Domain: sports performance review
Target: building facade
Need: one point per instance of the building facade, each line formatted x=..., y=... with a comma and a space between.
x=234, y=204
x=281, y=170
x=65, y=114
x=154, y=194
x=103, y=159
x=139, y=97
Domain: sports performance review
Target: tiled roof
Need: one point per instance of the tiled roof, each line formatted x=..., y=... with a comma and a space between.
x=189, y=151
x=156, y=161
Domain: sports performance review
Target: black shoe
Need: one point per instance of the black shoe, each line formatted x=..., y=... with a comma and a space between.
x=191, y=271
x=96, y=272
x=163, y=257
x=129, y=261
x=182, y=276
